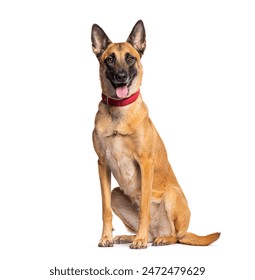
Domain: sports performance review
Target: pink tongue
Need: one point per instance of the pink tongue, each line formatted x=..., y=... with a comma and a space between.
x=122, y=92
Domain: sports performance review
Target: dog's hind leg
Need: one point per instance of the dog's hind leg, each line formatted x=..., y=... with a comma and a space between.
x=127, y=212
x=177, y=216
x=123, y=239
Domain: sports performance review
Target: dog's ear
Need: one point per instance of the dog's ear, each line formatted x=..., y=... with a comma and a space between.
x=99, y=39
x=137, y=37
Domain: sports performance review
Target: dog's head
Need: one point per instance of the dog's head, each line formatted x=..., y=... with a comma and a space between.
x=120, y=67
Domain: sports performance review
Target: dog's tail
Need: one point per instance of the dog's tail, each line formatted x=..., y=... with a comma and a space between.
x=196, y=240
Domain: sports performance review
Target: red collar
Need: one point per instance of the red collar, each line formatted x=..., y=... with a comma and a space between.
x=122, y=102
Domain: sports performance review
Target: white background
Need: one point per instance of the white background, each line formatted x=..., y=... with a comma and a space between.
x=199, y=70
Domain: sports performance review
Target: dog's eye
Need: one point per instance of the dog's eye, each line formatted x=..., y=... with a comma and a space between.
x=110, y=59
x=130, y=59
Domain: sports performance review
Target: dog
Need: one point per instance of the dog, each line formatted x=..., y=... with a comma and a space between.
x=149, y=200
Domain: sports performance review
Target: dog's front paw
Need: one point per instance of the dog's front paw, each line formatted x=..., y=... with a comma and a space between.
x=139, y=243
x=105, y=242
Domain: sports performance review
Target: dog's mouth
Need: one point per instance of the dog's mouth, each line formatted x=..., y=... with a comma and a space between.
x=121, y=87
x=122, y=91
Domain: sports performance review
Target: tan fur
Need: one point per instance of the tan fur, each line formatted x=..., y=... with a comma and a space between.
x=149, y=199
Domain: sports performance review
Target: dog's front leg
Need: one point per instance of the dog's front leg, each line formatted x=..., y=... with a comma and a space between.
x=141, y=238
x=105, y=182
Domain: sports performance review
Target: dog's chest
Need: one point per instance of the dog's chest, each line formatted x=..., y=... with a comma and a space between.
x=117, y=146
x=116, y=141
x=122, y=164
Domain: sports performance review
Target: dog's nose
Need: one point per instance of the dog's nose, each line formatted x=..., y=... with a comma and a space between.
x=121, y=76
